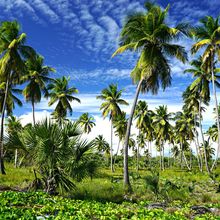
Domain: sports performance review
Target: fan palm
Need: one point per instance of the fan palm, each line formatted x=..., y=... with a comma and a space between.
x=57, y=152
x=87, y=122
x=37, y=77
x=207, y=35
x=12, y=50
x=112, y=99
x=149, y=34
x=61, y=92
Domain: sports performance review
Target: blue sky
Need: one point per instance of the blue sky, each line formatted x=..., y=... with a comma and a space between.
x=78, y=37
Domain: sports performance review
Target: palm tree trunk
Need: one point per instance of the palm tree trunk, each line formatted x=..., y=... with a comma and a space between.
x=33, y=111
x=199, y=157
x=163, y=157
x=160, y=159
x=111, y=150
x=116, y=153
x=127, y=184
x=216, y=110
x=187, y=165
x=181, y=155
x=2, y=167
x=16, y=157
x=137, y=167
x=203, y=139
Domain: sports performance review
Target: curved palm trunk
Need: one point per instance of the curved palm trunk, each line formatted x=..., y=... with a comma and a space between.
x=33, y=111
x=203, y=139
x=111, y=153
x=127, y=184
x=216, y=110
x=2, y=167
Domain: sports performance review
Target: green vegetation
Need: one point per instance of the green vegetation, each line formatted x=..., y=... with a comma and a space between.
x=53, y=157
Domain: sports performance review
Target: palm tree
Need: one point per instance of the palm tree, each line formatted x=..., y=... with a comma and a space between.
x=61, y=92
x=149, y=34
x=120, y=125
x=200, y=86
x=87, y=122
x=141, y=141
x=102, y=145
x=162, y=127
x=13, y=128
x=12, y=51
x=208, y=150
x=193, y=107
x=184, y=132
x=208, y=37
x=37, y=77
x=144, y=121
x=112, y=99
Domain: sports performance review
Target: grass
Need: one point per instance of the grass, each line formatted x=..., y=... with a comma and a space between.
x=16, y=177
x=195, y=188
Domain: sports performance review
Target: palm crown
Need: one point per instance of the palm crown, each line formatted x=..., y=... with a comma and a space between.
x=62, y=93
x=149, y=34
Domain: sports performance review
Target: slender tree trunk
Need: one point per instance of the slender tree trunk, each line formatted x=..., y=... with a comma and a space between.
x=187, y=165
x=163, y=167
x=2, y=167
x=160, y=159
x=127, y=184
x=199, y=157
x=203, y=139
x=111, y=150
x=216, y=110
x=169, y=157
x=181, y=155
x=116, y=153
x=16, y=157
x=33, y=111
x=137, y=165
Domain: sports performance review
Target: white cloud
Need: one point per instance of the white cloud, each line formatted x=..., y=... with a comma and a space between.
x=28, y=117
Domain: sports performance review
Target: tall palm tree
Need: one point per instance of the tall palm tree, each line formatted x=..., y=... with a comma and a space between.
x=207, y=35
x=87, y=122
x=112, y=99
x=37, y=77
x=120, y=125
x=149, y=33
x=200, y=86
x=144, y=121
x=162, y=127
x=184, y=132
x=61, y=93
x=12, y=51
